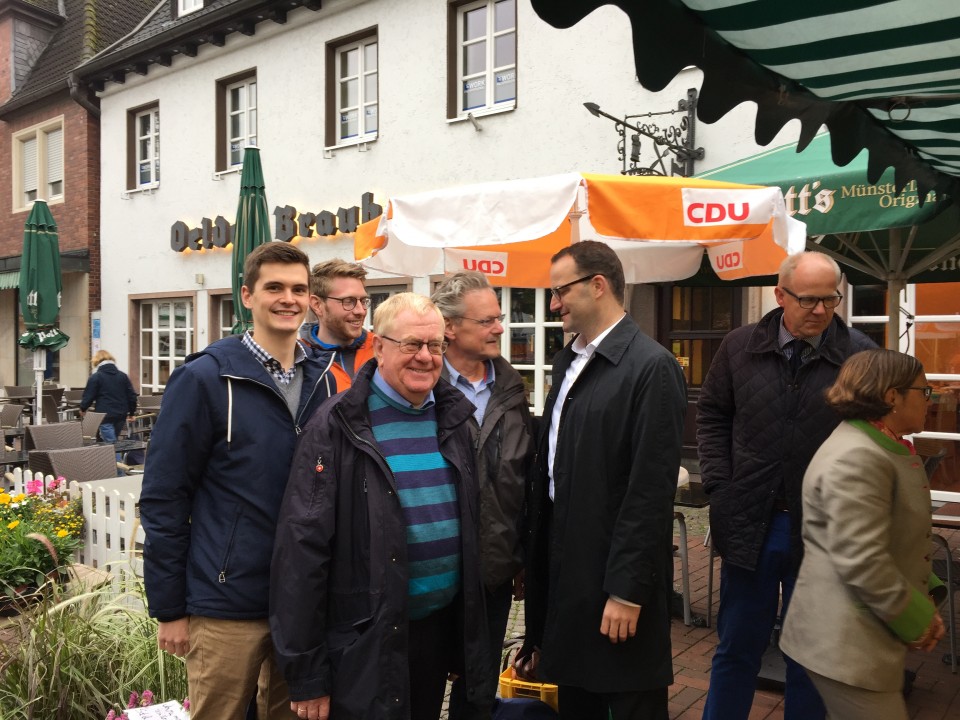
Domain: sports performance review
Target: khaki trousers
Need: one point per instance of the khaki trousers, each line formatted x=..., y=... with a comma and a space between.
x=847, y=702
x=230, y=662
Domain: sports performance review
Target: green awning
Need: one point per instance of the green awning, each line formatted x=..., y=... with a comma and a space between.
x=10, y=280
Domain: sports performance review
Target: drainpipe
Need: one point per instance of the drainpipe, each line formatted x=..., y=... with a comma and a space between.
x=78, y=93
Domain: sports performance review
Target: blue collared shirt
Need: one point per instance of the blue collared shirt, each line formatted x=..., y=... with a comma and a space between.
x=478, y=392
x=397, y=397
x=811, y=344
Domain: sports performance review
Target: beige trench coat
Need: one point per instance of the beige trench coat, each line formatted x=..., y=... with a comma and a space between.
x=866, y=536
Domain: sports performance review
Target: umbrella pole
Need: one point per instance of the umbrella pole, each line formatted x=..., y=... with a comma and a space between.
x=894, y=288
x=39, y=366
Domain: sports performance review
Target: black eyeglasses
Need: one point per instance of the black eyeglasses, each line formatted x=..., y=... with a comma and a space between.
x=485, y=322
x=412, y=347
x=560, y=290
x=926, y=389
x=809, y=302
x=349, y=303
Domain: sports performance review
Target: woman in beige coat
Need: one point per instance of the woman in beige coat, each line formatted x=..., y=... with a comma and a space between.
x=863, y=593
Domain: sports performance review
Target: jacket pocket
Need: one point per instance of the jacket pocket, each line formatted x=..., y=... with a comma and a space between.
x=228, y=549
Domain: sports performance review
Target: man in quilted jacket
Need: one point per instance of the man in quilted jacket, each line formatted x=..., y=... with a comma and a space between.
x=761, y=417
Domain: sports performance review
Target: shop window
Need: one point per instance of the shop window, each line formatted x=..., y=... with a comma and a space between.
x=482, y=57
x=352, y=90
x=166, y=337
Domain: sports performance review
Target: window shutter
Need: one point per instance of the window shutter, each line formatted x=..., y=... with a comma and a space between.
x=55, y=155
x=29, y=151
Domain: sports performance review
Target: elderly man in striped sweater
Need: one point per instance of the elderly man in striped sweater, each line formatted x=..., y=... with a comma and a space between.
x=376, y=592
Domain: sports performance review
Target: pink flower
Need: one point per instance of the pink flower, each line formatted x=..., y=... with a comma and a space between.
x=186, y=703
x=111, y=716
x=34, y=487
x=134, y=697
x=146, y=699
x=54, y=484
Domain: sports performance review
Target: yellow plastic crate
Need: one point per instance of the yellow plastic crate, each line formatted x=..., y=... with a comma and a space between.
x=512, y=687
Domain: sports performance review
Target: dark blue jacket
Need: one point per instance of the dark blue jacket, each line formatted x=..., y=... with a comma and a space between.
x=109, y=391
x=758, y=426
x=215, y=474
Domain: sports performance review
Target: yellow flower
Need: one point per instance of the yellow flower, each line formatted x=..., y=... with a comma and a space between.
x=62, y=533
x=12, y=525
x=19, y=498
x=4, y=498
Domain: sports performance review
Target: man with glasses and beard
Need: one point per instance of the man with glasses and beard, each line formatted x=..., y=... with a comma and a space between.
x=376, y=594
x=340, y=302
x=761, y=417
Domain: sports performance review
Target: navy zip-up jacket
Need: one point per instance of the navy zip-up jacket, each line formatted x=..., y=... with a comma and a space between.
x=215, y=474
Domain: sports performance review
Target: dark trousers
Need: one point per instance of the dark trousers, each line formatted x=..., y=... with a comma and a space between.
x=749, y=601
x=498, y=613
x=579, y=704
x=432, y=643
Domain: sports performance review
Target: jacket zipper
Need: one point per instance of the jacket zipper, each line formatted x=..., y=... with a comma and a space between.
x=222, y=577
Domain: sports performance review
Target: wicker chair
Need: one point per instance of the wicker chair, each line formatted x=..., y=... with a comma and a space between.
x=10, y=414
x=90, y=425
x=56, y=436
x=94, y=462
x=150, y=403
x=72, y=398
x=20, y=392
x=50, y=409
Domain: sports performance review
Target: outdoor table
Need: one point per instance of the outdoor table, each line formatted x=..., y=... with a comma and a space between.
x=691, y=495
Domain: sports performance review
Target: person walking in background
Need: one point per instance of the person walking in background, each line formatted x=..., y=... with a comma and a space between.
x=340, y=303
x=761, y=417
x=109, y=391
x=863, y=592
x=214, y=478
x=600, y=568
x=375, y=588
x=503, y=439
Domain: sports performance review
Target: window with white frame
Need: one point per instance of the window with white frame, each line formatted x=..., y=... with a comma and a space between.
x=532, y=335
x=356, y=91
x=486, y=36
x=223, y=316
x=185, y=7
x=147, y=142
x=166, y=338
x=241, y=128
x=38, y=164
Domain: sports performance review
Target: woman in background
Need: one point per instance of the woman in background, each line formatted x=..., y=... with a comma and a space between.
x=109, y=391
x=863, y=595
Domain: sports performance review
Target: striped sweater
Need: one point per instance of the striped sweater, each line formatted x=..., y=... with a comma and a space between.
x=407, y=437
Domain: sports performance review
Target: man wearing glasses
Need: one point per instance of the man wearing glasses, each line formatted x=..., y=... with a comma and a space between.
x=340, y=302
x=761, y=418
x=376, y=594
x=600, y=569
x=504, y=450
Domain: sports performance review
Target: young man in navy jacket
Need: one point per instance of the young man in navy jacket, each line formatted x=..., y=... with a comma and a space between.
x=215, y=474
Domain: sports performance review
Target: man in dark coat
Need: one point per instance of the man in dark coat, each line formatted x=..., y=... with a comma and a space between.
x=761, y=418
x=375, y=592
x=600, y=572
x=109, y=391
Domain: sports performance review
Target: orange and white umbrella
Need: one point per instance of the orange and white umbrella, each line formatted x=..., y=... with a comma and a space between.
x=659, y=227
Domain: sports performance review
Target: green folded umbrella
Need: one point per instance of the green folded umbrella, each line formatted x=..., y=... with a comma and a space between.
x=40, y=282
x=251, y=231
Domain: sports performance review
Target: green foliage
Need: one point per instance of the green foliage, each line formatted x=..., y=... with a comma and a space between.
x=76, y=656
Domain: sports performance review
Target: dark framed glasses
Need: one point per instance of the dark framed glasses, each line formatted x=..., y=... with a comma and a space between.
x=349, y=303
x=560, y=290
x=927, y=390
x=809, y=302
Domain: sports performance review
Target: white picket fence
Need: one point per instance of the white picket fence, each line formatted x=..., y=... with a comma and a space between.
x=113, y=537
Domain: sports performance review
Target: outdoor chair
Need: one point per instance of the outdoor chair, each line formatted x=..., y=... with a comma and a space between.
x=56, y=436
x=150, y=403
x=55, y=392
x=86, y=464
x=90, y=425
x=50, y=409
x=72, y=398
x=10, y=414
x=20, y=392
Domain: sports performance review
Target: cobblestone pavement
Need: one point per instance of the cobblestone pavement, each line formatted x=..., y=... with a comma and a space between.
x=935, y=694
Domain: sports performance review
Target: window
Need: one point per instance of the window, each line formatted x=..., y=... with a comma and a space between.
x=486, y=56
x=166, y=338
x=222, y=316
x=353, y=112
x=532, y=336
x=185, y=7
x=38, y=164
x=237, y=119
x=143, y=141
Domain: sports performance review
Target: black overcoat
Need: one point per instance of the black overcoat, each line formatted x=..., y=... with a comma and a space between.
x=610, y=529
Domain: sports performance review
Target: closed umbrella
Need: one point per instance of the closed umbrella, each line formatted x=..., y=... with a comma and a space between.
x=251, y=231
x=40, y=286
